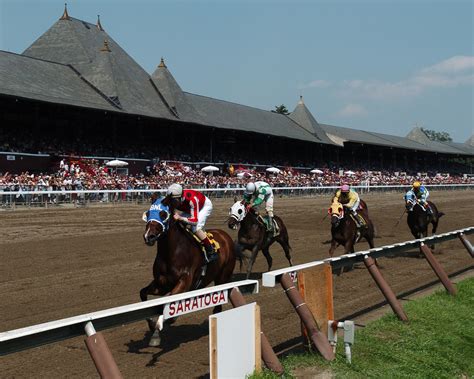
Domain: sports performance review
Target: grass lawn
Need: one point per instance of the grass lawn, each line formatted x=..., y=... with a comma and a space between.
x=437, y=342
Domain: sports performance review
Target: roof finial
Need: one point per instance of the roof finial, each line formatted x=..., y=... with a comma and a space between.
x=65, y=15
x=99, y=25
x=301, y=100
x=162, y=63
x=106, y=46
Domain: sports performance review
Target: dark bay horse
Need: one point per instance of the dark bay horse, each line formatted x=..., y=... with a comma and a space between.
x=344, y=228
x=179, y=263
x=253, y=235
x=418, y=217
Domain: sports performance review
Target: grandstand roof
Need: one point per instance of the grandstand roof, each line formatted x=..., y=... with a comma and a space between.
x=470, y=141
x=227, y=115
x=302, y=116
x=373, y=138
x=77, y=63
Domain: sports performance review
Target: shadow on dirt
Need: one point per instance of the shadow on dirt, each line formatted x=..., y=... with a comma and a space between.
x=172, y=338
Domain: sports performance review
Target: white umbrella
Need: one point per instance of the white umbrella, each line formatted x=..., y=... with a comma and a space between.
x=316, y=171
x=349, y=172
x=209, y=169
x=274, y=170
x=116, y=163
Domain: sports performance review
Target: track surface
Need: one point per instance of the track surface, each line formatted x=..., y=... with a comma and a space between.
x=59, y=263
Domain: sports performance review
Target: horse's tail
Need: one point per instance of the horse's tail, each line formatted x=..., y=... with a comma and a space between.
x=440, y=214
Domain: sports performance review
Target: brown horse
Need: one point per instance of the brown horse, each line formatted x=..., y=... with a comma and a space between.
x=179, y=263
x=344, y=229
x=419, y=218
x=253, y=235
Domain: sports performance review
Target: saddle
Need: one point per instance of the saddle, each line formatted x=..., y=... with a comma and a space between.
x=213, y=242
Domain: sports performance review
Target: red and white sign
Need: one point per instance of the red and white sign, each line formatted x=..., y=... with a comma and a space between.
x=193, y=304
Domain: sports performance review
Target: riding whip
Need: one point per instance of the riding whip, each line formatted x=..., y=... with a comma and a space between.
x=400, y=217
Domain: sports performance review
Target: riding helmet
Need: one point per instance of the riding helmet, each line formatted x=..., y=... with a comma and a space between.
x=250, y=188
x=345, y=188
x=417, y=184
x=175, y=190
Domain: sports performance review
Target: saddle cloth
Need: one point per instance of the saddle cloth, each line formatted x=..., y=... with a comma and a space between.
x=214, y=243
x=265, y=221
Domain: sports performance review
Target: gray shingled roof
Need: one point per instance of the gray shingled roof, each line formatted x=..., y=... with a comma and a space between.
x=115, y=73
x=417, y=134
x=302, y=116
x=46, y=81
x=227, y=115
x=174, y=95
x=373, y=138
x=470, y=141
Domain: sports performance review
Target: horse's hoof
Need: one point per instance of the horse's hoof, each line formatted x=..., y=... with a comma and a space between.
x=154, y=342
x=152, y=323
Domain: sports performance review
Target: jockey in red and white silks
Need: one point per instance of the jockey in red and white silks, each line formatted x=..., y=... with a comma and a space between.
x=193, y=209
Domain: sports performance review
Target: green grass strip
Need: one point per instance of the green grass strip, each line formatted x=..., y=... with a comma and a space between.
x=437, y=342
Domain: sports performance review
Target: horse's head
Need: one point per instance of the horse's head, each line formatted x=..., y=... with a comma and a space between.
x=157, y=221
x=410, y=201
x=336, y=211
x=237, y=213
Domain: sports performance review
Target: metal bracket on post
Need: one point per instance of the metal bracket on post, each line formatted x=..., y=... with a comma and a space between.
x=349, y=331
x=438, y=269
x=100, y=353
x=467, y=244
x=385, y=288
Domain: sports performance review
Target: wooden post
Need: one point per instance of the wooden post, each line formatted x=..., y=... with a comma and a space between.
x=439, y=271
x=258, y=340
x=102, y=357
x=316, y=288
x=213, y=347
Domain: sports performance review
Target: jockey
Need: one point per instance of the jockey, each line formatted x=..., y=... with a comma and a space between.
x=350, y=200
x=421, y=194
x=260, y=192
x=197, y=208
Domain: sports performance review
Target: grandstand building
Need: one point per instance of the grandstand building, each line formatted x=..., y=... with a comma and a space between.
x=76, y=91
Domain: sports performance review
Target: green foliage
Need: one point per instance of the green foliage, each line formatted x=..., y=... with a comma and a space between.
x=281, y=109
x=437, y=342
x=437, y=136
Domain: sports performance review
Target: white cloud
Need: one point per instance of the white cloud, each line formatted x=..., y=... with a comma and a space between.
x=352, y=110
x=316, y=84
x=453, y=72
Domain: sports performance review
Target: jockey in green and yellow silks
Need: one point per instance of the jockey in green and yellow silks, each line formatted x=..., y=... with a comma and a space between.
x=351, y=201
x=257, y=193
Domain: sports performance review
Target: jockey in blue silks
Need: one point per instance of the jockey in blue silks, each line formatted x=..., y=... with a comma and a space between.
x=421, y=194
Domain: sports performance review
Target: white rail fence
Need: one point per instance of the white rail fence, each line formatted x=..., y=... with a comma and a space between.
x=11, y=199
x=54, y=331
x=270, y=278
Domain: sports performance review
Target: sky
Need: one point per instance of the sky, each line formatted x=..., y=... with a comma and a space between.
x=375, y=65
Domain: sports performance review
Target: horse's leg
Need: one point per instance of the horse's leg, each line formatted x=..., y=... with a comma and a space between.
x=252, y=260
x=184, y=284
x=283, y=241
x=239, y=254
x=268, y=257
x=333, y=247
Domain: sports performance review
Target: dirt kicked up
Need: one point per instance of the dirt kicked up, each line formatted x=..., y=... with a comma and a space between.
x=63, y=262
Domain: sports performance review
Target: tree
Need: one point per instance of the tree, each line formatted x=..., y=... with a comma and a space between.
x=281, y=109
x=433, y=135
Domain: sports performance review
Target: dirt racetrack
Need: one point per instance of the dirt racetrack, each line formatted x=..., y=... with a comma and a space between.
x=62, y=262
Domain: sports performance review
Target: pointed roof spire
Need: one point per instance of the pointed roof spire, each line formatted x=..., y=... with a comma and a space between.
x=99, y=25
x=106, y=46
x=65, y=15
x=162, y=63
x=301, y=100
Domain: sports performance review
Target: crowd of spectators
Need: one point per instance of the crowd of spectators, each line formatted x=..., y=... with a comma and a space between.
x=90, y=174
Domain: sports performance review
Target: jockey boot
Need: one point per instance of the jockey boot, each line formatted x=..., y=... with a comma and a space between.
x=210, y=255
x=362, y=223
x=270, y=224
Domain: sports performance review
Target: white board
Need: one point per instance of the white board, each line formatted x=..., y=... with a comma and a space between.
x=234, y=342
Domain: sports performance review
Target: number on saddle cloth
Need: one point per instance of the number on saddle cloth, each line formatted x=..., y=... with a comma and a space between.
x=213, y=242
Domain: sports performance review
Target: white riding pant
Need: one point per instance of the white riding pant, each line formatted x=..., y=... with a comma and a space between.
x=269, y=205
x=203, y=214
x=355, y=207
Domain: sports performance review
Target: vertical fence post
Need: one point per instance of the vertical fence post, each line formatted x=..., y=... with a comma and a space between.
x=385, y=288
x=318, y=338
x=438, y=269
x=268, y=355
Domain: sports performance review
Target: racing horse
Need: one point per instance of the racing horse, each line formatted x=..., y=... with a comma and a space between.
x=344, y=229
x=418, y=217
x=253, y=235
x=179, y=263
